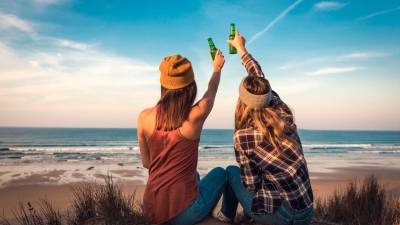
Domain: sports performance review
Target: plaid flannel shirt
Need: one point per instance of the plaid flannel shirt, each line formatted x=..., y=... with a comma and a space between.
x=273, y=175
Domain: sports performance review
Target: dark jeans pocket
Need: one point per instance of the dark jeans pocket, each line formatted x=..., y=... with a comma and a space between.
x=306, y=220
x=282, y=216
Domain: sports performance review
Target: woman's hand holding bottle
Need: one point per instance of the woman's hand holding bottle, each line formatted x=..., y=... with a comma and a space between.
x=218, y=62
x=239, y=43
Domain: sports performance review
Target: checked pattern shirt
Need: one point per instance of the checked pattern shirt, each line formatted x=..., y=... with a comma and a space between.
x=273, y=175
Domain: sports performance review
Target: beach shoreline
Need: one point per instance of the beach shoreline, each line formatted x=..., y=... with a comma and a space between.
x=45, y=163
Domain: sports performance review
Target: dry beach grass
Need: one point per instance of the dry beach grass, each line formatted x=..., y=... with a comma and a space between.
x=92, y=204
x=359, y=203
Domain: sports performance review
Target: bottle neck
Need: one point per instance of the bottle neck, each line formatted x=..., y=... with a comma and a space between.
x=233, y=30
x=211, y=44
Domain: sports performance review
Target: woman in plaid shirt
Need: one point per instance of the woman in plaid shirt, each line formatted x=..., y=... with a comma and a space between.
x=272, y=183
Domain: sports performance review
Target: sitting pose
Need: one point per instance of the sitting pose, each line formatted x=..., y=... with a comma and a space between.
x=169, y=135
x=272, y=183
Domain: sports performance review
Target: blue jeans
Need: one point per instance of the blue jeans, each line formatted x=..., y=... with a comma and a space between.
x=210, y=191
x=236, y=192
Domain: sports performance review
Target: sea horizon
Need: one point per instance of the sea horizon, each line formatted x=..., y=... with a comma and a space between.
x=307, y=129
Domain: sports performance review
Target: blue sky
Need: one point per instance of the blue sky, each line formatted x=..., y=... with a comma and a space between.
x=73, y=63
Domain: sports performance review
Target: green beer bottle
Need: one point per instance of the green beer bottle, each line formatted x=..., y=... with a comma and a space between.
x=213, y=49
x=232, y=50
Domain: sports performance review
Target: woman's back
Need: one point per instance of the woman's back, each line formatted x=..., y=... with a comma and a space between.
x=171, y=186
x=273, y=175
x=168, y=136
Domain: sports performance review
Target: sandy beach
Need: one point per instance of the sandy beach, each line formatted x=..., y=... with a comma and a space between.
x=46, y=163
x=30, y=189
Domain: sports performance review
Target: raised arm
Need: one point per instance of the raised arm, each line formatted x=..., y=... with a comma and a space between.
x=204, y=106
x=251, y=65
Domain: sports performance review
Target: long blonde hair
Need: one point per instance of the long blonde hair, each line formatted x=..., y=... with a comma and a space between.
x=269, y=120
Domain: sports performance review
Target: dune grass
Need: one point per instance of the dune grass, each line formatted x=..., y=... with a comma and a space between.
x=365, y=203
x=92, y=204
x=28, y=215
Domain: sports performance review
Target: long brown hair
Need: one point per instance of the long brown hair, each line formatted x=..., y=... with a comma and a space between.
x=267, y=120
x=175, y=106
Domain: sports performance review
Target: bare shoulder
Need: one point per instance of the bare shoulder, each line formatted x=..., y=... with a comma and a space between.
x=146, y=120
x=145, y=113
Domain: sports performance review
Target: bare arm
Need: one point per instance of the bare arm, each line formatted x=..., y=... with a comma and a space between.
x=206, y=103
x=144, y=149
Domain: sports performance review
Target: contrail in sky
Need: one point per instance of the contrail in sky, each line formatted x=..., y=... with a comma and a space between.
x=378, y=13
x=281, y=16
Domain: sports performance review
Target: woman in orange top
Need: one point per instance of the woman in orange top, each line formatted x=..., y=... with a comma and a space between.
x=169, y=135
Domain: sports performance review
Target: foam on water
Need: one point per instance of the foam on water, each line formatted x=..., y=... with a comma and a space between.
x=63, y=173
x=350, y=146
x=28, y=151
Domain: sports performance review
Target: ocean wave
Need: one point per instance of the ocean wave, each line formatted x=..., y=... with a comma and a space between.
x=208, y=149
x=349, y=146
x=99, y=149
x=394, y=151
x=98, y=143
x=215, y=146
x=79, y=149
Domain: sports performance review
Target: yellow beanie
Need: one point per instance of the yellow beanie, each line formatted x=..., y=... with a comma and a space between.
x=176, y=72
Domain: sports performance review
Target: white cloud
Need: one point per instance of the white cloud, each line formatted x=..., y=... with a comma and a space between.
x=359, y=56
x=304, y=62
x=379, y=13
x=363, y=55
x=12, y=22
x=48, y=2
x=63, y=55
x=329, y=5
x=9, y=21
x=270, y=25
x=61, y=80
x=63, y=85
x=71, y=44
x=72, y=64
x=333, y=70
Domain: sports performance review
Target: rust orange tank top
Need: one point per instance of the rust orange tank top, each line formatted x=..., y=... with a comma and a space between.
x=171, y=186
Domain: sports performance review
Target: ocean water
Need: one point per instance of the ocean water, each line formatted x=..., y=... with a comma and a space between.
x=93, y=143
x=24, y=151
